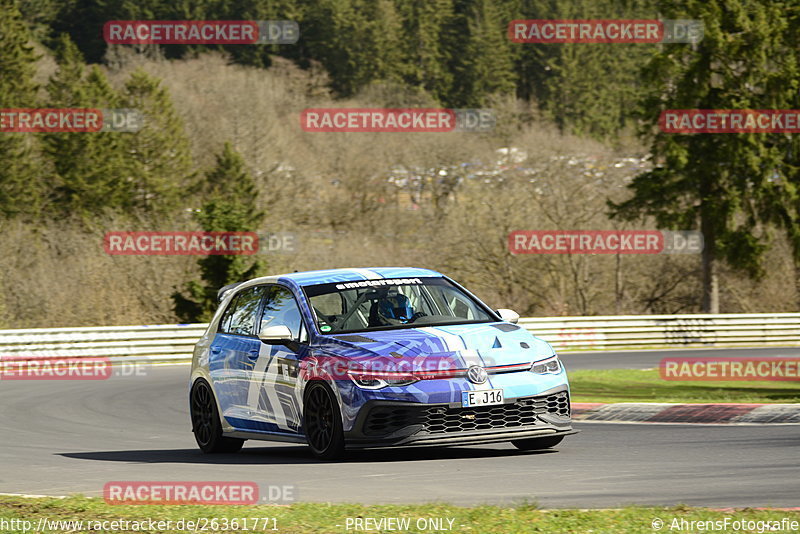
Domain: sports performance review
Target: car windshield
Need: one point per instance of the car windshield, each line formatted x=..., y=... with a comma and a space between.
x=392, y=303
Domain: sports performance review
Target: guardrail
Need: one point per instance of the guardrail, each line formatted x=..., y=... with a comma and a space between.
x=175, y=342
x=670, y=331
x=164, y=342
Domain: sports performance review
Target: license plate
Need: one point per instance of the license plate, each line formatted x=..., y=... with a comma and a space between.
x=486, y=397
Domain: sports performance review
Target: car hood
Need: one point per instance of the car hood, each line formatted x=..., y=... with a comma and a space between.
x=438, y=348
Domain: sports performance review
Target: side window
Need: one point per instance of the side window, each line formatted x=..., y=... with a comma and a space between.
x=242, y=319
x=280, y=308
x=454, y=304
x=225, y=322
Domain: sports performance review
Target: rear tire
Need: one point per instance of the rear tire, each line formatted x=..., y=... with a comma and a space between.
x=322, y=422
x=537, y=444
x=205, y=421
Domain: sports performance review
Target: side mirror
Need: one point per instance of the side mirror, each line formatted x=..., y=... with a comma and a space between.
x=276, y=335
x=508, y=315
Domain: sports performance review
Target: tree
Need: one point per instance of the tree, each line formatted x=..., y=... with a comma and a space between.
x=481, y=54
x=784, y=189
x=358, y=41
x=40, y=14
x=586, y=89
x=159, y=156
x=424, y=44
x=83, y=21
x=720, y=182
x=231, y=206
x=22, y=191
x=90, y=168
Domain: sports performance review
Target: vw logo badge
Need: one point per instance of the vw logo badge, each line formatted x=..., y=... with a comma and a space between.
x=477, y=374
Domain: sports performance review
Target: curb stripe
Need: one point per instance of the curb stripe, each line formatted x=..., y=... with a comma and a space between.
x=720, y=413
x=702, y=413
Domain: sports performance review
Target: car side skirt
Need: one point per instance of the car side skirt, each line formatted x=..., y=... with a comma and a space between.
x=266, y=436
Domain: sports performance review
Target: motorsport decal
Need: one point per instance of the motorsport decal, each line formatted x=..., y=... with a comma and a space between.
x=379, y=283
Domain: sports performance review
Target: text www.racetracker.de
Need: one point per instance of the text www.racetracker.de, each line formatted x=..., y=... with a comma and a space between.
x=202, y=524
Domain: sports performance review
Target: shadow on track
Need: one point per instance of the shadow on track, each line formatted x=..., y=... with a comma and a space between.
x=296, y=455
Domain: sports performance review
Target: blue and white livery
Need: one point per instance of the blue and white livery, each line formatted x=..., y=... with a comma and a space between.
x=355, y=358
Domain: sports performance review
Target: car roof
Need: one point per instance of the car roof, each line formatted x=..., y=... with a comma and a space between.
x=308, y=278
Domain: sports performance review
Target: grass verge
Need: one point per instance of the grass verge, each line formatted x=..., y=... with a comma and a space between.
x=627, y=385
x=333, y=518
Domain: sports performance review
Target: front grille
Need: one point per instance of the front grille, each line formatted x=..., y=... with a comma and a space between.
x=383, y=420
x=522, y=412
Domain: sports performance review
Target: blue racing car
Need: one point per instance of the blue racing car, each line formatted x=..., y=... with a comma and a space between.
x=358, y=358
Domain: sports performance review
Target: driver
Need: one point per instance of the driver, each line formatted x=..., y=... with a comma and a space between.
x=394, y=308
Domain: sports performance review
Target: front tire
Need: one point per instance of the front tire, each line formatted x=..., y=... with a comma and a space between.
x=205, y=421
x=322, y=422
x=537, y=444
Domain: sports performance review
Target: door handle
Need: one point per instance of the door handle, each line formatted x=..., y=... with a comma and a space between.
x=215, y=350
x=253, y=353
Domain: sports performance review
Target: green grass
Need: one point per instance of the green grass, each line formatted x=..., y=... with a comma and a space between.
x=321, y=517
x=625, y=385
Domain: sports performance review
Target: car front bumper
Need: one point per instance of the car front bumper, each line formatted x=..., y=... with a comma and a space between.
x=382, y=423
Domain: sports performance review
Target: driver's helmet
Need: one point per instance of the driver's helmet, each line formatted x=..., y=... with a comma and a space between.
x=395, y=308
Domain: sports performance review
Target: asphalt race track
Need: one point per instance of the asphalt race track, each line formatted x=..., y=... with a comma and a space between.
x=62, y=437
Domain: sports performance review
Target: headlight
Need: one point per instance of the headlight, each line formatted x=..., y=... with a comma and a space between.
x=382, y=380
x=551, y=365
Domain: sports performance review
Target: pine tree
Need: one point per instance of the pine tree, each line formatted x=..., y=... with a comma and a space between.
x=722, y=182
x=159, y=155
x=83, y=21
x=586, y=89
x=321, y=39
x=22, y=189
x=783, y=193
x=358, y=41
x=231, y=206
x=483, y=63
x=257, y=56
x=381, y=49
x=40, y=15
x=90, y=168
x=424, y=44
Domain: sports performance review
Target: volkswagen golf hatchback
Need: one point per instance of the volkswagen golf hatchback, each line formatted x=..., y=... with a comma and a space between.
x=358, y=358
